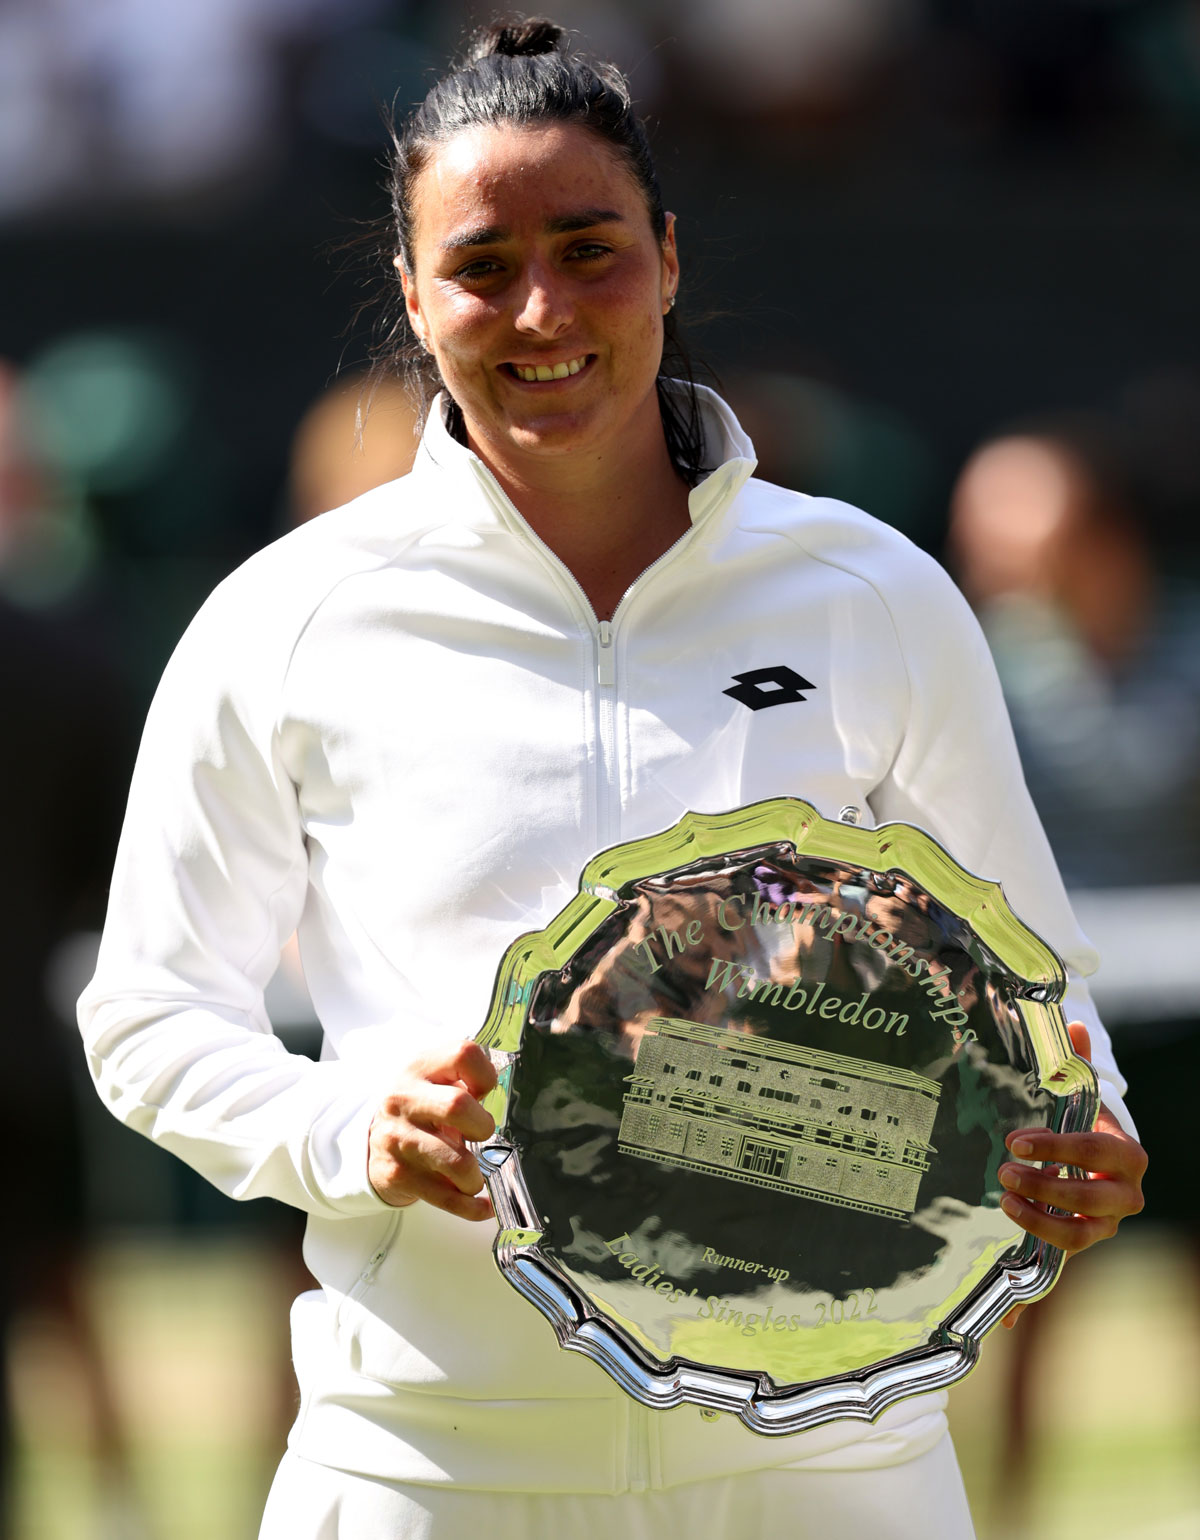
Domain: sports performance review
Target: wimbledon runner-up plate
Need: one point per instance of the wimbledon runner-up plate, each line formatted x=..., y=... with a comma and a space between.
x=755, y=1082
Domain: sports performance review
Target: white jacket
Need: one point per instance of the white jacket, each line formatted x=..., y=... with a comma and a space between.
x=401, y=731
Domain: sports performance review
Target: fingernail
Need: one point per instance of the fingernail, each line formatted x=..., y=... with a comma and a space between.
x=1010, y=1205
x=1022, y=1147
x=1009, y=1177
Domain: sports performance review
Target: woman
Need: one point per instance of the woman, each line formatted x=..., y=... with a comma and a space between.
x=406, y=727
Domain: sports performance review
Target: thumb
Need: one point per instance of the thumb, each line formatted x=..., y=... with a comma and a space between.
x=1081, y=1040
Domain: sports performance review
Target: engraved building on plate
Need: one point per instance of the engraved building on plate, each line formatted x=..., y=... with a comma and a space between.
x=821, y=1125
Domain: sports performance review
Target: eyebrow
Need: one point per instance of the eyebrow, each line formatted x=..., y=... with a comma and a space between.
x=564, y=224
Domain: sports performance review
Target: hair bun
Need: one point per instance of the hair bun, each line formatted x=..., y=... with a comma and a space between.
x=516, y=37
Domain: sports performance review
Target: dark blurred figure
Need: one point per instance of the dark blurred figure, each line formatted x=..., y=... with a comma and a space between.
x=1098, y=651
x=829, y=443
x=63, y=769
x=1099, y=654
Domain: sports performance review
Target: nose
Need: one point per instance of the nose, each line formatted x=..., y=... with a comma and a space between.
x=543, y=307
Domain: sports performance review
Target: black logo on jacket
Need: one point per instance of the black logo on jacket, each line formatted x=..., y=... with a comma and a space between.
x=761, y=687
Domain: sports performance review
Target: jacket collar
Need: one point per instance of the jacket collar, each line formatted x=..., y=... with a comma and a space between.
x=484, y=502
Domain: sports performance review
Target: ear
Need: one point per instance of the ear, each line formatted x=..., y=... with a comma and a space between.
x=670, y=264
x=412, y=303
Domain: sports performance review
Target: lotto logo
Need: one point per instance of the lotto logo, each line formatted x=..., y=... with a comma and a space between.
x=761, y=687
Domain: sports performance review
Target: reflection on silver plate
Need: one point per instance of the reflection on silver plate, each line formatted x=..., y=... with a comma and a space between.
x=755, y=1084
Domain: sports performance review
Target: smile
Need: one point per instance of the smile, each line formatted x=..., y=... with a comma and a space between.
x=534, y=373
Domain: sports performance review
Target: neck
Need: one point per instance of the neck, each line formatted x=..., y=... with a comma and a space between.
x=606, y=515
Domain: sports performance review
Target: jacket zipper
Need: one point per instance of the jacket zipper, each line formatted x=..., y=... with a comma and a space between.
x=608, y=793
x=637, y=1453
x=606, y=671
x=603, y=633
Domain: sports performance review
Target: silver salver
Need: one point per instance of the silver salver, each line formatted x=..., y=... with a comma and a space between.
x=755, y=1083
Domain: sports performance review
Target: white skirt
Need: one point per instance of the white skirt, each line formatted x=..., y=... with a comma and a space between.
x=922, y=1499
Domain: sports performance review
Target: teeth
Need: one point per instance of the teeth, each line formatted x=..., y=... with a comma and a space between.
x=532, y=372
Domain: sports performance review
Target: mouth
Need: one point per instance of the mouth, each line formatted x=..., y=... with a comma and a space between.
x=541, y=374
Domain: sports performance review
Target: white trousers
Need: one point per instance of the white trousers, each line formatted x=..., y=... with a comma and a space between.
x=923, y=1499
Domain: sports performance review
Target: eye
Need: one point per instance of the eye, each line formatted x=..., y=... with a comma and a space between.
x=590, y=251
x=478, y=269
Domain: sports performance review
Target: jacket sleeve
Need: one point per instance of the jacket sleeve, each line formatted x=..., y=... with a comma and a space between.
x=957, y=774
x=210, y=879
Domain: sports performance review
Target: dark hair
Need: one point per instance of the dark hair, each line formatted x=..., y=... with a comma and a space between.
x=518, y=71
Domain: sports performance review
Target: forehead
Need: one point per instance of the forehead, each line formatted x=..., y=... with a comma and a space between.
x=520, y=178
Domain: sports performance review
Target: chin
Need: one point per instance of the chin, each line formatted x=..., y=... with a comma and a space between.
x=552, y=434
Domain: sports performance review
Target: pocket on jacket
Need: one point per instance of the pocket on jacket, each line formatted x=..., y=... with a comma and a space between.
x=370, y=1254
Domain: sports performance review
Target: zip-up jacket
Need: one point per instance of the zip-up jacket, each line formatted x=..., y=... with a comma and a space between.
x=401, y=732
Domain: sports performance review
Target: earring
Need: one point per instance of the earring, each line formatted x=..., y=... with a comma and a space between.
x=424, y=345
x=671, y=302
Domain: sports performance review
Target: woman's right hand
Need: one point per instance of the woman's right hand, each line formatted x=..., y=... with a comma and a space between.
x=417, y=1147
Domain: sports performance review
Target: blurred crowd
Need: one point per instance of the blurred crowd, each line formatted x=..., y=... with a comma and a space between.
x=944, y=269
x=134, y=101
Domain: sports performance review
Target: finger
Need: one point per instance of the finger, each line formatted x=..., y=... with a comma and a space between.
x=416, y=1151
x=449, y=1158
x=1081, y=1044
x=1110, y=1153
x=475, y=1069
x=1094, y=1197
x=430, y=1189
x=1015, y=1314
x=1069, y=1232
x=467, y=1064
x=434, y=1106
x=460, y=1112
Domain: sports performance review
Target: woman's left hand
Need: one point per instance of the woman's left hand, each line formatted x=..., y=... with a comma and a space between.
x=1113, y=1164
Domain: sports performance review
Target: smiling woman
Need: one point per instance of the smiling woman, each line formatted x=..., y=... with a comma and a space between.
x=404, y=729
x=538, y=264
x=539, y=288
x=517, y=75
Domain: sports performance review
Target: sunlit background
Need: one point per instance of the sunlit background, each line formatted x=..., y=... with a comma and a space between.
x=943, y=257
